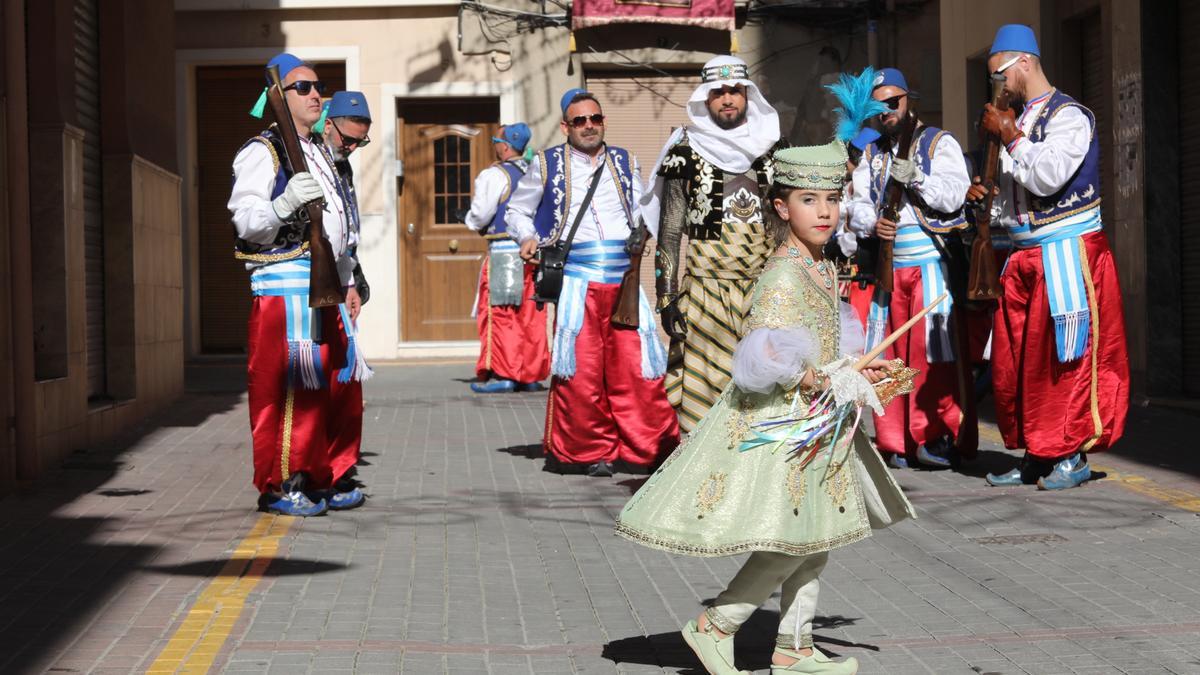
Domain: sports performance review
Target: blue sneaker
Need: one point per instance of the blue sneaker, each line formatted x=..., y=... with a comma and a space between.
x=897, y=461
x=531, y=386
x=297, y=504
x=494, y=387
x=342, y=501
x=1069, y=473
x=935, y=456
x=1008, y=479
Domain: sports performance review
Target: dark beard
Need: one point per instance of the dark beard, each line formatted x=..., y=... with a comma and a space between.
x=730, y=124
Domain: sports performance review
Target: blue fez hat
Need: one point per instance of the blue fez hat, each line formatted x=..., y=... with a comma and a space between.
x=864, y=138
x=516, y=135
x=287, y=63
x=889, y=77
x=1015, y=37
x=565, y=102
x=349, y=104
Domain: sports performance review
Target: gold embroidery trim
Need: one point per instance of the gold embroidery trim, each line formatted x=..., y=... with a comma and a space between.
x=1094, y=309
x=270, y=149
x=837, y=483
x=767, y=545
x=797, y=484
x=273, y=257
x=285, y=462
x=711, y=491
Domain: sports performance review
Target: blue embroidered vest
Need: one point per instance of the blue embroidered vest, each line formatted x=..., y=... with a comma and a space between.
x=930, y=219
x=498, y=229
x=289, y=241
x=1082, y=190
x=553, y=213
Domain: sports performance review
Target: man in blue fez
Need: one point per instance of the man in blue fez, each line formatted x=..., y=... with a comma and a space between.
x=345, y=127
x=304, y=367
x=921, y=427
x=514, y=354
x=608, y=407
x=1059, y=362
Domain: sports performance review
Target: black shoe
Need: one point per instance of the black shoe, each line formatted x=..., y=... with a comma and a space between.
x=600, y=470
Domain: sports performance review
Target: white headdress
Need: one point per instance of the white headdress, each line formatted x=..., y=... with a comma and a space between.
x=731, y=150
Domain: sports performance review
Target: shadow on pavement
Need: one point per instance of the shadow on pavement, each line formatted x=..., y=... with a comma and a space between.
x=53, y=553
x=529, y=451
x=752, y=648
x=279, y=567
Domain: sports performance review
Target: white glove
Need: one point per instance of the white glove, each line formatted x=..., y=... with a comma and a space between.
x=302, y=189
x=851, y=386
x=906, y=171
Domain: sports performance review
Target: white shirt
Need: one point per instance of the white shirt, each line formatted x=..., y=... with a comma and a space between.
x=490, y=186
x=943, y=189
x=255, y=219
x=1043, y=167
x=606, y=217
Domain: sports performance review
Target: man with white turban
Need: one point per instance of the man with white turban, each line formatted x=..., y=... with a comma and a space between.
x=710, y=183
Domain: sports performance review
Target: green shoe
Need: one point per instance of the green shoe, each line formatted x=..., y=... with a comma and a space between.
x=817, y=663
x=716, y=655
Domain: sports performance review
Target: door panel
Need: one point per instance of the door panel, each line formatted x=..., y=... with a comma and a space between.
x=441, y=257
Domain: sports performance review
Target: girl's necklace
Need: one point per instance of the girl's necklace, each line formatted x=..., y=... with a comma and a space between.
x=824, y=267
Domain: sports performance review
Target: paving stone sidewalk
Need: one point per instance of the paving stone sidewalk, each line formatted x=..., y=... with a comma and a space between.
x=468, y=558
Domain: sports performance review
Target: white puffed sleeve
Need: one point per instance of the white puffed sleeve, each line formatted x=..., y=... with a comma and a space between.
x=853, y=340
x=770, y=356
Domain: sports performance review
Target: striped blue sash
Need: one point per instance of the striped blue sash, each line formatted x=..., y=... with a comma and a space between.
x=1062, y=262
x=289, y=280
x=915, y=248
x=602, y=262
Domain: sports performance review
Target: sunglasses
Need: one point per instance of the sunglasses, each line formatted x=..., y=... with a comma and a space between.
x=893, y=103
x=303, y=87
x=350, y=140
x=580, y=120
x=498, y=140
x=1007, y=64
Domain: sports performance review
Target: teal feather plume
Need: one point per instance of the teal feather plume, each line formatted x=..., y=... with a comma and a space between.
x=856, y=105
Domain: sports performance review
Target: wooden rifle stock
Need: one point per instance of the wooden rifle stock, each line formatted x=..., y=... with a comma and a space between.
x=891, y=207
x=629, y=298
x=984, y=275
x=324, y=282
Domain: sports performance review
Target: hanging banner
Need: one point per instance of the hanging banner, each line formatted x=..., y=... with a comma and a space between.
x=713, y=14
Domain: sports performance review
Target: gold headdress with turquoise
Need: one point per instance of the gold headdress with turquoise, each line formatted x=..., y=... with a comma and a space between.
x=811, y=167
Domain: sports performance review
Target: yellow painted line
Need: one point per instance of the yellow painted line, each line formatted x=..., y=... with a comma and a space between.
x=199, y=638
x=1180, y=499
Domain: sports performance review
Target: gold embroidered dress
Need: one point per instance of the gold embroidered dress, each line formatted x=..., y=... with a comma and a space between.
x=710, y=499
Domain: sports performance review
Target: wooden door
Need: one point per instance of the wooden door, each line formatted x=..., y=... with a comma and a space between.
x=441, y=258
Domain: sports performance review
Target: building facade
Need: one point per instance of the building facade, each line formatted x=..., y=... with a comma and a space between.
x=90, y=233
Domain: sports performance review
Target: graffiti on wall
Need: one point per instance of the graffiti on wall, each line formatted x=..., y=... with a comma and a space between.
x=1127, y=135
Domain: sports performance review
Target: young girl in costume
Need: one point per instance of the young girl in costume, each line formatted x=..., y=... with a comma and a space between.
x=742, y=483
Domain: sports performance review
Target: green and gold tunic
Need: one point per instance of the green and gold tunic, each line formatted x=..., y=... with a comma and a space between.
x=710, y=499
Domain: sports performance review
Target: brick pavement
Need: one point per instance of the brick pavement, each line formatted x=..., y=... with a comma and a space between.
x=469, y=559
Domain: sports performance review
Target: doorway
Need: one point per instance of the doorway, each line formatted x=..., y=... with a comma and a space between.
x=444, y=144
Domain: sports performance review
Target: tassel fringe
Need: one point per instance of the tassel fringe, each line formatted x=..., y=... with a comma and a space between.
x=304, y=364
x=260, y=105
x=562, y=360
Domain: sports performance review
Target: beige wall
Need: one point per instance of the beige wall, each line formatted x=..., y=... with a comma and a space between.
x=153, y=362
